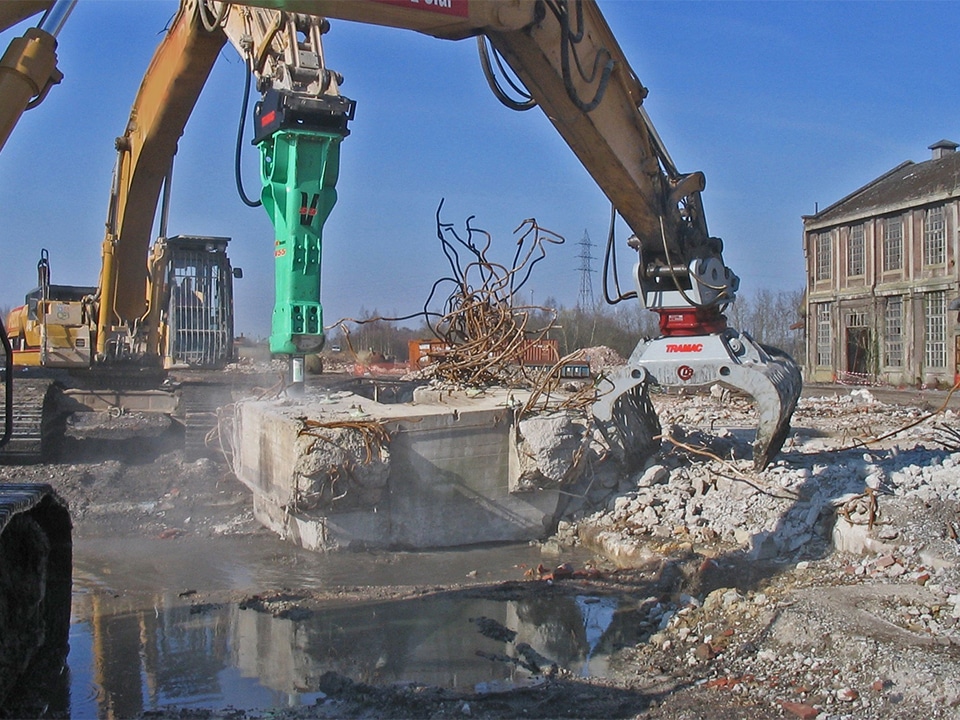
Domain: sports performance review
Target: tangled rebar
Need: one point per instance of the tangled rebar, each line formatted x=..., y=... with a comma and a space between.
x=374, y=434
x=483, y=330
x=948, y=437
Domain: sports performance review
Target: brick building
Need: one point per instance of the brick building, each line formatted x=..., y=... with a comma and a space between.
x=883, y=278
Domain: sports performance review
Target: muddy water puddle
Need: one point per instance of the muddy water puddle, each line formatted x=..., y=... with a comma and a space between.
x=217, y=623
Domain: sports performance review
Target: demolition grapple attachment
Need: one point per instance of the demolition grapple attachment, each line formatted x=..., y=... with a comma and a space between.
x=733, y=359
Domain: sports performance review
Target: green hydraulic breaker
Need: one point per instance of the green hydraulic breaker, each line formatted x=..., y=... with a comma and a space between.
x=299, y=172
x=299, y=139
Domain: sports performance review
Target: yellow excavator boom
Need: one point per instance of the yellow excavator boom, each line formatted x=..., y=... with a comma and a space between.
x=571, y=66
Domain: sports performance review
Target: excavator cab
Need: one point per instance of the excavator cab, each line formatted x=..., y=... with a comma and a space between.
x=197, y=320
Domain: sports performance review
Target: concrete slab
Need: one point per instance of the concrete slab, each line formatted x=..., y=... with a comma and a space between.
x=451, y=469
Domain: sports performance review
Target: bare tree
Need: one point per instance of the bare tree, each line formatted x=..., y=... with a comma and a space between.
x=770, y=318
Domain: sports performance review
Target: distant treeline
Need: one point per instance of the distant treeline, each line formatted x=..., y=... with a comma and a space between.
x=772, y=318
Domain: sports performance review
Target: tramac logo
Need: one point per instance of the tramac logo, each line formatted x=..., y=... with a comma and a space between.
x=684, y=347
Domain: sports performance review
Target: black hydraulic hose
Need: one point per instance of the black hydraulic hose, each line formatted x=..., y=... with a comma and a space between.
x=610, y=259
x=520, y=105
x=568, y=81
x=208, y=19
x=243, y=120
x=568, y=38
x=8, y=386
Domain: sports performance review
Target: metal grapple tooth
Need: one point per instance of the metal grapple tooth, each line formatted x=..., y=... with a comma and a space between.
x=775, y=384
x=632, y=428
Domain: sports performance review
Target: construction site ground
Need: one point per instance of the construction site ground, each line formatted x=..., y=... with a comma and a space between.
x=732, y=597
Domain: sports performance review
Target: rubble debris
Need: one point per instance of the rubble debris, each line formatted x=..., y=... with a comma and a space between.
x=745, y=603
x=551, y=449
x=345, y=464
x=563, y=571
x=702, y=490
x=601, y=357
x=278, y=604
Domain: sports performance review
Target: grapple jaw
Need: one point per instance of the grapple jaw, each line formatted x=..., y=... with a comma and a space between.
x=730, y=358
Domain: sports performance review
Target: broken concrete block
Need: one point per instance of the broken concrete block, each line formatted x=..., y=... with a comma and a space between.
x=550, y=448
x=857, y=539
x=764, y=546
x=653, y=475
x=339, y=468
x=446, y=475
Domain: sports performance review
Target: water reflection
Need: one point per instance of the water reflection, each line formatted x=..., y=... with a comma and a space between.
x=124, y=661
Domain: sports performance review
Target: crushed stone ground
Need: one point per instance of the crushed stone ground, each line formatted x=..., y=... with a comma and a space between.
x=744, y=607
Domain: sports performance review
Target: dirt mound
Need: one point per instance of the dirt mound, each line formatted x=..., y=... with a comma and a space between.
x=601, y=357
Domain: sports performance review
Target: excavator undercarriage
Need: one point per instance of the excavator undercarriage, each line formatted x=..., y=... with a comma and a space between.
x=36, y=559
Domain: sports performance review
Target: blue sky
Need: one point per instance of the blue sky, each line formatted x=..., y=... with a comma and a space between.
x=783, y=105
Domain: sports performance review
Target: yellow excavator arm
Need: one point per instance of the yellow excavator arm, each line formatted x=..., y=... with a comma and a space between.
x=167, y=95
x=28, y=68
x=569, y=64
x=572, y=67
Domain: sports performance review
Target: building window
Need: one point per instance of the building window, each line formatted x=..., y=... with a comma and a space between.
x=856, y=318
x=893, y=243
x=934, y=237
x=824, y=357
x=855, y=263
x=935, y=339
x=893, y=337
x=823, y=256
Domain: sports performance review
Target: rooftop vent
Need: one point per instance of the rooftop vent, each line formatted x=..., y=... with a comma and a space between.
x=943, y=148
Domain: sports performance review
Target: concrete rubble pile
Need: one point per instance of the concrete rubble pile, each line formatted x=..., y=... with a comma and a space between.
x=813, y=493
x=838, y=567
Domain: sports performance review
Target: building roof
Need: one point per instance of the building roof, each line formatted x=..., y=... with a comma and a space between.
x=907, y=185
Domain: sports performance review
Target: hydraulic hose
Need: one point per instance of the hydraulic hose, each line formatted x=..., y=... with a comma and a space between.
x=610, y=263
x=526, y=103
x=240, y=127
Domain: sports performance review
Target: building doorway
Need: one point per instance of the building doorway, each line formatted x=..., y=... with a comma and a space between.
x=858, y=346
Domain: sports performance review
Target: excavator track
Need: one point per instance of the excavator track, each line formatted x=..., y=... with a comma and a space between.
x=35, y=420
x=23, y=497
x=36, y=553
